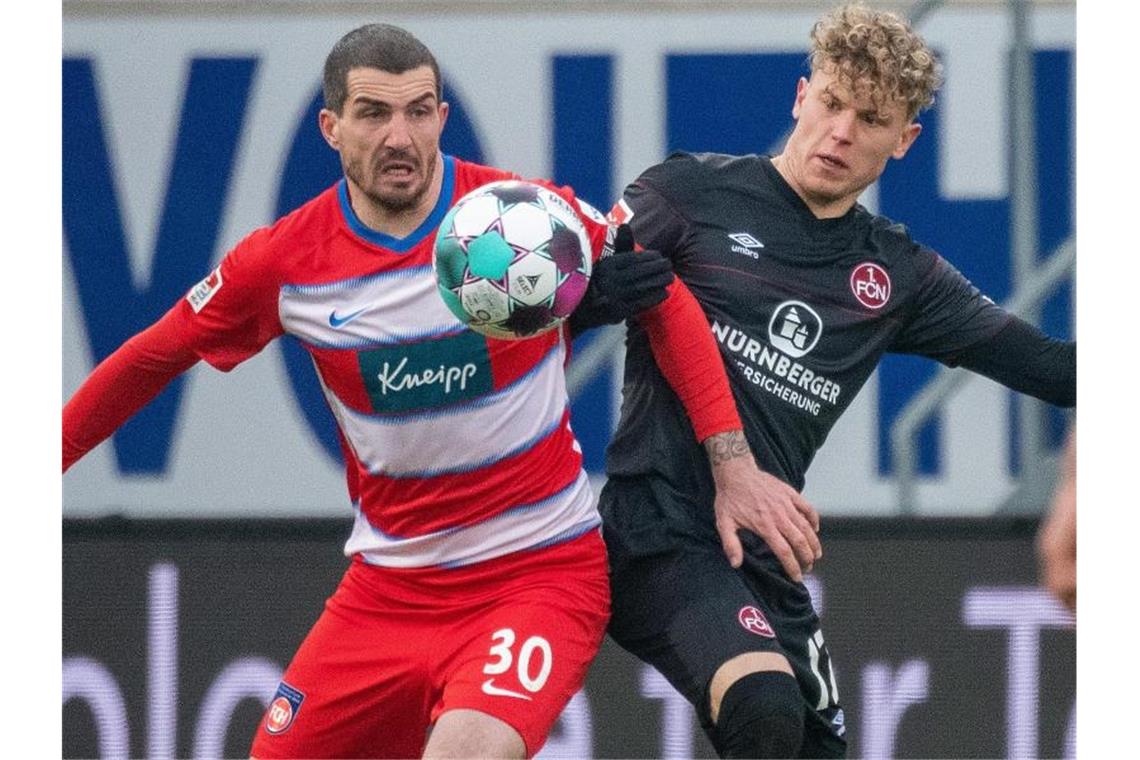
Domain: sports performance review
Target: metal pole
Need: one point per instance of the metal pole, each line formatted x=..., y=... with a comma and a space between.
x=1023, y=209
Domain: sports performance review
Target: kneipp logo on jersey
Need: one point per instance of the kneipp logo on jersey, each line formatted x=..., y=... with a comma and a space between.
x=754, y=621
x=428, y=374
x=283, y=709
x=871, y=285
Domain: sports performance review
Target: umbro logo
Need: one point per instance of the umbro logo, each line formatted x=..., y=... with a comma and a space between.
x=745, y=243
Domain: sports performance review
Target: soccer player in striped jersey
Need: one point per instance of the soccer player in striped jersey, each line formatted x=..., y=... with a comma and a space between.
x=477, y=593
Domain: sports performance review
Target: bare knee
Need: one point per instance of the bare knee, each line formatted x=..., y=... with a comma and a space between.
x=738, y=667
x=471, y=733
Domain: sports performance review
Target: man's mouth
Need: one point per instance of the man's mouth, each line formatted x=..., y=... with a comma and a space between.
x=833, y=162
x=398, y=170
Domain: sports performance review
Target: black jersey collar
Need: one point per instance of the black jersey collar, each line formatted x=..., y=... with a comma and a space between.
x=796, y=202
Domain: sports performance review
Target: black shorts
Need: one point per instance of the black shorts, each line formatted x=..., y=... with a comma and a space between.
x=678, y=605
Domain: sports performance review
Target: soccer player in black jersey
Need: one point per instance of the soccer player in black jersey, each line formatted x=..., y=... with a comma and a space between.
x=804, y=291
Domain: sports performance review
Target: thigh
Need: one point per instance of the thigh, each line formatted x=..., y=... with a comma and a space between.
x=523, y=656
x=355, y=687
x=789, y=609
x=679, y=606
x=686, y=613
x=472, y=733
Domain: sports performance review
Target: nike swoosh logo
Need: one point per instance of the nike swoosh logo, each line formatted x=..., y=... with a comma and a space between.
x=489, y=687
x=335, y=321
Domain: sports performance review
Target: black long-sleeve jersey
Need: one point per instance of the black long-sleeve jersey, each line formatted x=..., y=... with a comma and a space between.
x=802, y=310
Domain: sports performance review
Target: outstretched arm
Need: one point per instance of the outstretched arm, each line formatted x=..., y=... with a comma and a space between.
x=1027, y=360
x=748, y=497
x=122, y=384
x=954, y=323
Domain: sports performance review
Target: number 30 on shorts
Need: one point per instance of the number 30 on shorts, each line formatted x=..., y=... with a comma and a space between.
x=533, y=648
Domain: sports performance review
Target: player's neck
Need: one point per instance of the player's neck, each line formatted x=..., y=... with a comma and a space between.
x=397, y=224
x=822, y=208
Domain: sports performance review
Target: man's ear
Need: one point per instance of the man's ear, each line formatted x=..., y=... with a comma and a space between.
x=801, y=93
x=330, y=128
x=906, y=139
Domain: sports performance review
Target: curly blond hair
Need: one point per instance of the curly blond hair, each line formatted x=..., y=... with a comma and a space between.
x=876, y=53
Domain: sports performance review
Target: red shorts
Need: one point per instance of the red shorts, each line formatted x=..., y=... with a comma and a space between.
x=395, y=648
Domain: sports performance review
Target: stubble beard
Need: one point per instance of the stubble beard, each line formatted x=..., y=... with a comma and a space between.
x=813, y=189
x=392, y=203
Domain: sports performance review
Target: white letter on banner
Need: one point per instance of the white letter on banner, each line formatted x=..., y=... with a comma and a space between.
x=573, y=734
x=1024, y=611
x=249, y=677
x=86, y=679
x=886, y=696
x=676, y=715
x=162, y=670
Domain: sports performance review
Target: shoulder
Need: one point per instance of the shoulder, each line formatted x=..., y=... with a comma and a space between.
x=893, y=238
x=697, y=177
x=273, y=248
x=309, y=222
x=705, y=167
x=469, y=175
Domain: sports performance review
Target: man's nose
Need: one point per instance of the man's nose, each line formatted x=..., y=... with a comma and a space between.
x=399, y=133
x=843, y=125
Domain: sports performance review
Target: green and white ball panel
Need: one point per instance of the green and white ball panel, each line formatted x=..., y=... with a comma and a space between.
x=527, y=226
x=474, y=215
x=512, y=259
x=484, y=301
x=449, y=262
x=489, y=256
x=455, y=305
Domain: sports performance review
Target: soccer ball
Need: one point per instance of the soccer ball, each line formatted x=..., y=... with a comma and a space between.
x=512, y=259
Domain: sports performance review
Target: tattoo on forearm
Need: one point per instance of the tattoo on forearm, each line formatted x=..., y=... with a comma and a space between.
x=725, y=446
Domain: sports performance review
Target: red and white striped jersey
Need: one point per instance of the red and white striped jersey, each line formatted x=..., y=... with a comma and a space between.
x=458, y=447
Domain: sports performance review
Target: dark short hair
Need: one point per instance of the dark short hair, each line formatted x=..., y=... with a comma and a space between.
x=375, y=46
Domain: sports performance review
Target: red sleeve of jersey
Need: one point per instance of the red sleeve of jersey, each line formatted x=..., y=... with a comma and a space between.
x=122, y=384
x=232, y=314
x=688, y=357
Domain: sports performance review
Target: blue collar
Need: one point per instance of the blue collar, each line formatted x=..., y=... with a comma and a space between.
x=401, y=245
